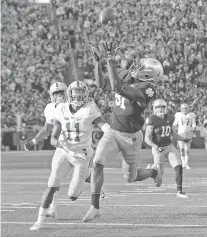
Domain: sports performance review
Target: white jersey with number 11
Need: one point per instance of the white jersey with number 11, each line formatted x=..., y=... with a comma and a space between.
x=77, y=128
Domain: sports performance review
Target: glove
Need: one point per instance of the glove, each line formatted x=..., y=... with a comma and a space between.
x=95, y=52
x=187, y=140
x=28, y=145
x=108, y=49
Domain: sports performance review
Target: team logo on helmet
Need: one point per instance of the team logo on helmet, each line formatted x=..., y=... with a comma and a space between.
x=78, y=93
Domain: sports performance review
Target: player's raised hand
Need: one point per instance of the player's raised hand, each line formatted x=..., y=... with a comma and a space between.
x=95, y=52
x=108, y=49
x=28, y=145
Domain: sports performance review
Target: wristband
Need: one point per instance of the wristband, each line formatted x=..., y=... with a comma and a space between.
x=34, y=141
x=105, y=127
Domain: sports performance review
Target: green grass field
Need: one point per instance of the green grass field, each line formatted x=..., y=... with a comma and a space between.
x=138, y=209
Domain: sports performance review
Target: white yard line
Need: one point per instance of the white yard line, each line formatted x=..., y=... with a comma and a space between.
x=112, y=224
x=7, y=210
x=19, y=207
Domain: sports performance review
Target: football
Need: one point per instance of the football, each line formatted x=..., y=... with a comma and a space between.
x=107, y=16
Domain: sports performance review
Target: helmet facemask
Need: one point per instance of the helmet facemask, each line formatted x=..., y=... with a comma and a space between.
x=78, y=95
x=135, y=68
x=58, y=97
x=58, y=92
x=148, y=70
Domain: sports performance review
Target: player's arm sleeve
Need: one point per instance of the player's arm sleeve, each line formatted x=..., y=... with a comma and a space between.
x=101, y=81
x=47, y=114
x=149, y=132
x=58, y=112
x=55, y=133
x=124, y=89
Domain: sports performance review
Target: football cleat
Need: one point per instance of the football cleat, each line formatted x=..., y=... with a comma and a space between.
x=158, y=178
x=188, y=167
x=37, y=226
x=181, y=195
x=91, y=214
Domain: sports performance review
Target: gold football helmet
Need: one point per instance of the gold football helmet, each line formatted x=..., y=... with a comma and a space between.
x=147, y=69
x=159, y=107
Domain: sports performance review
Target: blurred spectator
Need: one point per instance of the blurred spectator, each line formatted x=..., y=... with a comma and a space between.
x=41, y=43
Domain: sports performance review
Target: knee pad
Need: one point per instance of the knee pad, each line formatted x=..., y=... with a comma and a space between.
x=182, y=152
x=72, y=198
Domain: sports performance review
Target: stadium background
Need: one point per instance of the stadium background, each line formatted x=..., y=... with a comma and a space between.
x=43, y=42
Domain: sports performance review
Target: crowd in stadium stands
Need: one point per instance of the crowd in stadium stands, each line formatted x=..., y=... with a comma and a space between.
x=36, y=50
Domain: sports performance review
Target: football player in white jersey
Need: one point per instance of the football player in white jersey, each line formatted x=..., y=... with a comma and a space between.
x=58, y=94
x=186, y=124
x=75, y=119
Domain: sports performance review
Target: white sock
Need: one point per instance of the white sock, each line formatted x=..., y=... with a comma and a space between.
x=183, y=160
x=187, y=160
x=41, y=215
x=53, y=205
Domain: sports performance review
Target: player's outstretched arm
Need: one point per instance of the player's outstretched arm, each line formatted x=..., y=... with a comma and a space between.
x=101, y=81
x=101, y=123
x=127, y=91
x=55, y=136
x=121, y=88
x=55, y=133
x=178, y=137
x=39, y=137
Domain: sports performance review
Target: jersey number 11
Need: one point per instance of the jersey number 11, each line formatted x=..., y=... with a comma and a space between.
x=73, y=128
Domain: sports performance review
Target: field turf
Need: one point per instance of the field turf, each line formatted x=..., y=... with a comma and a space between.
x=138, y=209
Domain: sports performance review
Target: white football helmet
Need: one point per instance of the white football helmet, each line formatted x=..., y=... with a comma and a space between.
x=78, y=93
x=159, y=107
x=184, y=108
x=58, y=97
x=147, y=69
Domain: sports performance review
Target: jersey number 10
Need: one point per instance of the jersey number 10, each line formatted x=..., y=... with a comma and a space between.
x=73, y=128
x=165, y=131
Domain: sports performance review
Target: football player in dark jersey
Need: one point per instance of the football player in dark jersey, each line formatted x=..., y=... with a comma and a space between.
x=158, y=135
x=134, y=89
